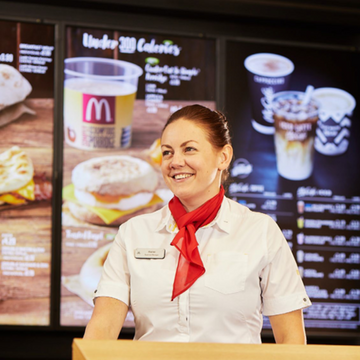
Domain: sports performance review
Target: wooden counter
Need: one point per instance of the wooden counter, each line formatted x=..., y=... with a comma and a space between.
x=140, y=350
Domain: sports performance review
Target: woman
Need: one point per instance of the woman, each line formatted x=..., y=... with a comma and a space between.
x=203, y=268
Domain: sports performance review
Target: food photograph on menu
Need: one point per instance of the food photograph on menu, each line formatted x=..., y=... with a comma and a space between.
x=119, y=90
x=295, y=121
x=26, y=168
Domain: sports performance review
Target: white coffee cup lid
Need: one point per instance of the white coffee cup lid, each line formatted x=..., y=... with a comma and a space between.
x=269, y=65
x=334, y=99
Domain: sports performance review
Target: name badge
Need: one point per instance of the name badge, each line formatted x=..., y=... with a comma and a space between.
x=149, y=253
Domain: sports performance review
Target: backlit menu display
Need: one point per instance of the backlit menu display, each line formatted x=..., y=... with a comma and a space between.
x=120, y=88
x=26, y=163
x=295, y=122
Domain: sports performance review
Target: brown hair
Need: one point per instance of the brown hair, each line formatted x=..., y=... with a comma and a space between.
x=213, y=122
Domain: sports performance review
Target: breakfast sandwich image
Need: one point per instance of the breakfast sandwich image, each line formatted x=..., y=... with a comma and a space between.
x=19, y=184
x=109, y=190
x=14, y=89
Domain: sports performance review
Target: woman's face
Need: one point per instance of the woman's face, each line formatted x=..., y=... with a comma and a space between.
x=191, y=166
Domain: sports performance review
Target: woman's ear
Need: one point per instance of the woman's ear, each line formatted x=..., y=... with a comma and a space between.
x=226, y=155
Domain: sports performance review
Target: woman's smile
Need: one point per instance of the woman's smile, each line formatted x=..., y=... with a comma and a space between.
x=181, y=176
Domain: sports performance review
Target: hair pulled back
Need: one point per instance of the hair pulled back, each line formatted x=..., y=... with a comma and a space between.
x=213, y=122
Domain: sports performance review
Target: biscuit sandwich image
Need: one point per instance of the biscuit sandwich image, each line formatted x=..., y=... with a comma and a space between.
x=109, y=190
x=19, y=185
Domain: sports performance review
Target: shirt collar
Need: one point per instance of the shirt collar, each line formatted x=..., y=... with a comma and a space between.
x=166, y=219
x=221, y=219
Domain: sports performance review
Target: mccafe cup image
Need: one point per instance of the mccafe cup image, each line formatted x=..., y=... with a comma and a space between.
x=99, y=97
x=267, y=74
x=334, y=125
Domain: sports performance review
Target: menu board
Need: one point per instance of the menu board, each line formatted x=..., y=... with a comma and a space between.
x=295, y=120
x=120, y=88
x=26, y=167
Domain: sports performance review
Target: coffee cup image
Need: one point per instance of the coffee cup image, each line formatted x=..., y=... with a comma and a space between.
x=99, y=96
x=300, y=206
x=300, y=256
x=267, y=74
x=334, y=126
x=300, y=238
x=295, y=124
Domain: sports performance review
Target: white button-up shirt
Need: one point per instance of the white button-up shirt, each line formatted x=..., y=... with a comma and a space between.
x=250, y=271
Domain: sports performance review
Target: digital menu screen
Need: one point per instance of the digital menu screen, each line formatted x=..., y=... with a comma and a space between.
x=26, y=167
x=119, y=89
x=295, y=117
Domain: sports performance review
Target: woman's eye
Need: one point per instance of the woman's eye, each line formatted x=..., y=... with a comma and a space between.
x=189, y=149
x=165, y=152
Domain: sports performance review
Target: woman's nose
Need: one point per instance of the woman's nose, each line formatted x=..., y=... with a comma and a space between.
x=177, y=160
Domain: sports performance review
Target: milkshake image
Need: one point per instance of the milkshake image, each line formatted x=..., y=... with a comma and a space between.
x=295, y=127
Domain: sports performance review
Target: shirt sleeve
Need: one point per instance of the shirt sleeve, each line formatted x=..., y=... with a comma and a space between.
x=282, y=288
x=115, y=279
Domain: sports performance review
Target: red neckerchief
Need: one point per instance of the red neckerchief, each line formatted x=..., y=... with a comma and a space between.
x=190, y=267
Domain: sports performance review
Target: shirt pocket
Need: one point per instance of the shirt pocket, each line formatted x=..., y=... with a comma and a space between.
x=226, y=272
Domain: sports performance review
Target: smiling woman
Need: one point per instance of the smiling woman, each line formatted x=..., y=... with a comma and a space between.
x=224, y=266
x=194, y=158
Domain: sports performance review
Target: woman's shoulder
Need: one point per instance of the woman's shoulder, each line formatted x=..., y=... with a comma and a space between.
x=241, y=217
